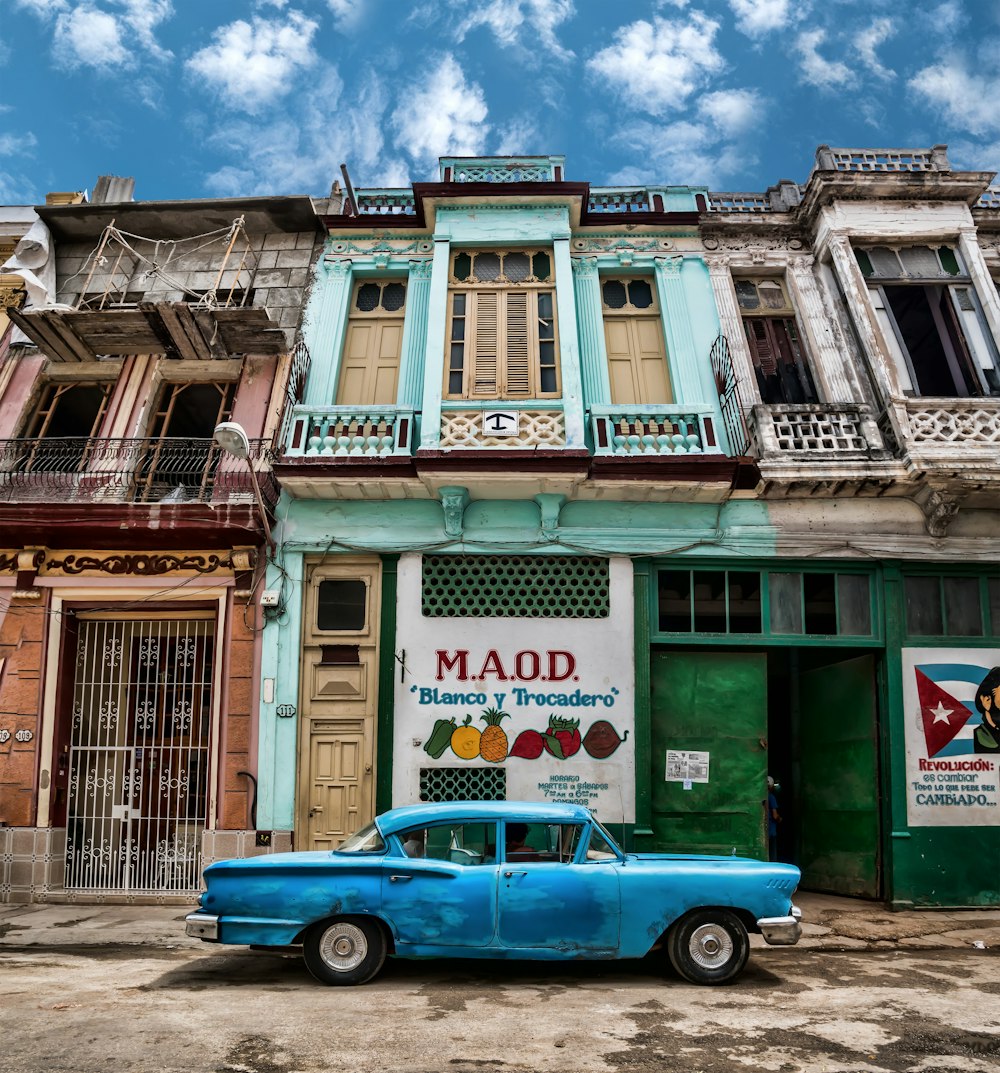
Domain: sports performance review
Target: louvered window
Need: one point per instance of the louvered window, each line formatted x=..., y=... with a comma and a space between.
x=773, y=337
x=502, y=332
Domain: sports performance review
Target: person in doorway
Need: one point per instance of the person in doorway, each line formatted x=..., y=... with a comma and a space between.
x=773, y=819
x=986, y=736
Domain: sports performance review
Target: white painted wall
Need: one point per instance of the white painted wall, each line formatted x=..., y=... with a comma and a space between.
x=599, y=688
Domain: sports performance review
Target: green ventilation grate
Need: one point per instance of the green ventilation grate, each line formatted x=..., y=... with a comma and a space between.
x=463, y=784
x=515, y=586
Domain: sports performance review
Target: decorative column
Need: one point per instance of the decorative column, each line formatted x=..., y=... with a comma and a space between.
x=569, y=351
x=323, y=328
x=831, y=364
x=731, y=323
x=594, y=374
x=681, y=355
x=411, y=366
x=434, y=345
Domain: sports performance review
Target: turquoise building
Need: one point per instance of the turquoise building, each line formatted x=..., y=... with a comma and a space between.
x=602, y=495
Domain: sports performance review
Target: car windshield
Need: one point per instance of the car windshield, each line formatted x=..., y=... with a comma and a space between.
x=367, y=840
x=602, y=847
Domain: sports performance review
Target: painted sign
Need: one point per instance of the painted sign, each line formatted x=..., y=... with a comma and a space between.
x=951, y=699
x=501, y=422
x=549, y=702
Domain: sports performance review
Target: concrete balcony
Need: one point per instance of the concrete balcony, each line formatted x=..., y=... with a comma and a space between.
x=653, y=430
x=350, y=433
x=814, y=432
x=946, y=436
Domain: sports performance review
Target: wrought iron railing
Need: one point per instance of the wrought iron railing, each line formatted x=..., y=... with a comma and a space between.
x=727, y=383
x=169, y=470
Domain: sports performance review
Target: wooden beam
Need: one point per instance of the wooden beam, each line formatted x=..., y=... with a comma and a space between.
x=41, y=326
x=184, y=333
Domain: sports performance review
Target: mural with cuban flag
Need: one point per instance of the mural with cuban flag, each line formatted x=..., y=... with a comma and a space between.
x=951, y=698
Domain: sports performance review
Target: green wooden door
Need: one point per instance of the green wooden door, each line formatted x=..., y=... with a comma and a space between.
x=714, y=702
x=838, y=817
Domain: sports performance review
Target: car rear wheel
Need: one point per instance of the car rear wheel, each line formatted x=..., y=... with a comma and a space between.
x=344, y=951
x=709, y=946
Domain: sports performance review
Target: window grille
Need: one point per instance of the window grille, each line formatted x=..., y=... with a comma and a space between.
x=463, y=784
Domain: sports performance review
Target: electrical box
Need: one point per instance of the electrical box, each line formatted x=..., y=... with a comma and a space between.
x=269, y=598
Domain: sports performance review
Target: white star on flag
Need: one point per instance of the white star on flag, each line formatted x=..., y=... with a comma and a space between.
x=940, y=713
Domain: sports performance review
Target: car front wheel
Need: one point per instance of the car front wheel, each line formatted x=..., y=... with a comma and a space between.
x=344, y=951
x=709, y=946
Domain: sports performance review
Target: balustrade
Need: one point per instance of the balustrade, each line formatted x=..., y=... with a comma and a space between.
x=652, y=430
x=350, y=432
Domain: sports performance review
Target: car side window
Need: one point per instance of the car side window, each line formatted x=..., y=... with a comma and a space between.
x=599, y=848
x=540, y=843
x=466, y=844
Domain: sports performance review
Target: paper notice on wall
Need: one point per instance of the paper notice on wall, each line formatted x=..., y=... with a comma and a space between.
x=686, y=767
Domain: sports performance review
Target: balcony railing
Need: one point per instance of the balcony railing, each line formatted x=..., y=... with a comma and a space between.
x=385, y=202
x=819, y=431
x=350, y=432
x=945, y=431
x=652, y=430
x=152, y=471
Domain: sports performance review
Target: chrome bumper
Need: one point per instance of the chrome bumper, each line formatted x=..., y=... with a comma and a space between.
x=781, y=931
x=202, y=926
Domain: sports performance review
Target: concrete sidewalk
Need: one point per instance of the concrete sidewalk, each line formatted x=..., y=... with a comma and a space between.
x=828, y=923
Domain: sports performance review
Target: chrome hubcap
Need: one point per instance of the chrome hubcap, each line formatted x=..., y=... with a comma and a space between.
x=710, y=946
x=343, y=947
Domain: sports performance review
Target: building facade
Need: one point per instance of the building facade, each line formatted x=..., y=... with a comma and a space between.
x=629, y=497
x=131, y=546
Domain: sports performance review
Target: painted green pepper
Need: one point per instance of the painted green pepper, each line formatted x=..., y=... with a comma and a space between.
x=440, y=737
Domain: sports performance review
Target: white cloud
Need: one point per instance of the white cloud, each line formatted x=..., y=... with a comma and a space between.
x=441, y=116
x=17, y=144
x=251, y=64
x=42, y=8
x=817, y=71
x=519, y=138
x=525, y=23
x=301, y=151
x=657, y=66
x=755, y=18
x=346, y=13
x=733, y=111
x=867, y=41
x=89, y=36
x=92, y=38
x=964, y=98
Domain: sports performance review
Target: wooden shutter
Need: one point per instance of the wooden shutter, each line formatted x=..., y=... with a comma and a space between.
x=485, y=344
x=518, y=348
x=762, y=348
x=370, y=365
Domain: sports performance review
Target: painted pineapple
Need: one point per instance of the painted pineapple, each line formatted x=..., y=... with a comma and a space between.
x=493, y=744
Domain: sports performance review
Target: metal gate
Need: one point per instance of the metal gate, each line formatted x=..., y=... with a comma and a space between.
x=139, y=754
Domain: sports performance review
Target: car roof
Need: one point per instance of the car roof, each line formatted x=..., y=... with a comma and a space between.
x=398, y=819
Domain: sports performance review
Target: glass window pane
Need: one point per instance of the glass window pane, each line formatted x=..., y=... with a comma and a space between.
x=854, y=605
x=455, y=383
x=458, y=329
x=994, y=584
x=674, y=600
x=463, y=266
x=458, y=304
x=341, y=605
x=614, y=294
x=516, y=267
x=771, y=294
x=368, y=297
x=547, y=379
x=864, y=263
x=746, y=294
x=963, y=614
x=546, y=352
x=923, y=606
x=710, y=601
x=487, y=266
x=785, y=598
x=744, y=601
x=542, y=266
x=640, y=293
x=545, y=306
x=457, y=356
x=821, y=604
x=949, y=262
x=393, y=296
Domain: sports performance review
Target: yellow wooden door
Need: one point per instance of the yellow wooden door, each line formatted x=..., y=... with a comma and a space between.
x=369, y=372
x=340, y=777
x=637, y=360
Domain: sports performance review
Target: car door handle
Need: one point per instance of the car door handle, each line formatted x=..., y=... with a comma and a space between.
x=400, y=879
x=510, y=875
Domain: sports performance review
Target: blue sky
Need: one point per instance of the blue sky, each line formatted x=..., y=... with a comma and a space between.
x=201, y=98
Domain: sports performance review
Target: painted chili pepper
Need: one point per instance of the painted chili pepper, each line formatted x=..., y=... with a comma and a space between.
x=602, y=739
x=440, y=737
x=528, y=745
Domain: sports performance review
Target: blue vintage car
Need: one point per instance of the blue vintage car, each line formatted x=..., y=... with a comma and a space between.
x=497, y=880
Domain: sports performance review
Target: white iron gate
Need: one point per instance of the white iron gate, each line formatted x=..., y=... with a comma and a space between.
x=139, y=754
